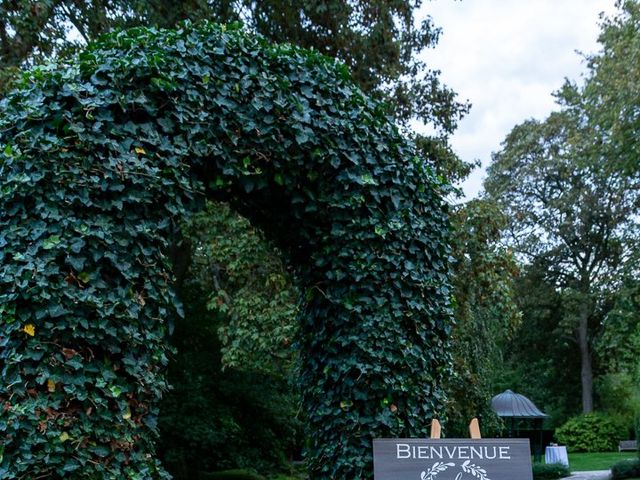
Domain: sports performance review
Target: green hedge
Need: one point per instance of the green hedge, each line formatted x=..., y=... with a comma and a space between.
x=98, y=163
x=592, y=432
x=550, y=471
x=626, y=469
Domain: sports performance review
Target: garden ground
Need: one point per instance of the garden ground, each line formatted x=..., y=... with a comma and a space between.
x=588, y=462
x=599, y=475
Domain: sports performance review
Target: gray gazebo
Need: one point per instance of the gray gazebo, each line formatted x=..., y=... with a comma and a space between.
x=513, y=407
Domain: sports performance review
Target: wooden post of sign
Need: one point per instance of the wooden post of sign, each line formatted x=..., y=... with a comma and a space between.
x=435, y=428
x=474, y=429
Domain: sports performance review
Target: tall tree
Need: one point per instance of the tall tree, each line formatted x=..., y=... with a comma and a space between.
x=568, y=213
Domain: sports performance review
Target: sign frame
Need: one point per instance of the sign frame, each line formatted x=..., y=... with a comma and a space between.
x=452, y=459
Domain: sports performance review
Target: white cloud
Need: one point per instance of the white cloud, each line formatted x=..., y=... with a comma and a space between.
x=507, y=57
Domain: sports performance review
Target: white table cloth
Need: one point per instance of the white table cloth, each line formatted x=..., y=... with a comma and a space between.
x=556, y=455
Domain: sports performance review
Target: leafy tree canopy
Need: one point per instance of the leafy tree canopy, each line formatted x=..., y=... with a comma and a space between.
x=565, y=210
x=610, y=96
x=247, y=285
x=570, y=187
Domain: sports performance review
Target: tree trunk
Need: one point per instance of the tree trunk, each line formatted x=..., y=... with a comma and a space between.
x=585, y=359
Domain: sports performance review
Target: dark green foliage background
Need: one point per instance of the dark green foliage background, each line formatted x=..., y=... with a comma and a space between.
x=532, y=360
x=214, y=419
x=99, y=163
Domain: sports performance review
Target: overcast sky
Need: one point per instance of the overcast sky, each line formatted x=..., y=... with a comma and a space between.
x=507, y=57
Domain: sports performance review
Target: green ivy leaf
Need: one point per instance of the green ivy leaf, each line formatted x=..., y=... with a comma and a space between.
x=51, y=242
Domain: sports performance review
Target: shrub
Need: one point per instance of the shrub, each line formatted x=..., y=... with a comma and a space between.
x=591, y=432
x=551, y=471
x=626, y=469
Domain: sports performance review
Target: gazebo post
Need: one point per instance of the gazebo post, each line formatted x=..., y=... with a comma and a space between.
x=537, y=456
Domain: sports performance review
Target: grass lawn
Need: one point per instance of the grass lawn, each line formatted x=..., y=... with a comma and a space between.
x=580, y=462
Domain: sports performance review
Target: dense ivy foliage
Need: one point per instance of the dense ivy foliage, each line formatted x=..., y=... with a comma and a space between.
x=100, y=161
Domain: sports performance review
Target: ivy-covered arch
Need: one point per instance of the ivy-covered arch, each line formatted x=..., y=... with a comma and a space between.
x=98, y=163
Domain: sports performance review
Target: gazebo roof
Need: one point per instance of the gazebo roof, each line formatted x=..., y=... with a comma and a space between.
x=509, y=404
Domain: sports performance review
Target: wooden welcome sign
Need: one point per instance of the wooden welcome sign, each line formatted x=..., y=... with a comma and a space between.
x=452, y=459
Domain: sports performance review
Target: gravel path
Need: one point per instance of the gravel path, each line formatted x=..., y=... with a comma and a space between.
x=599, y=475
